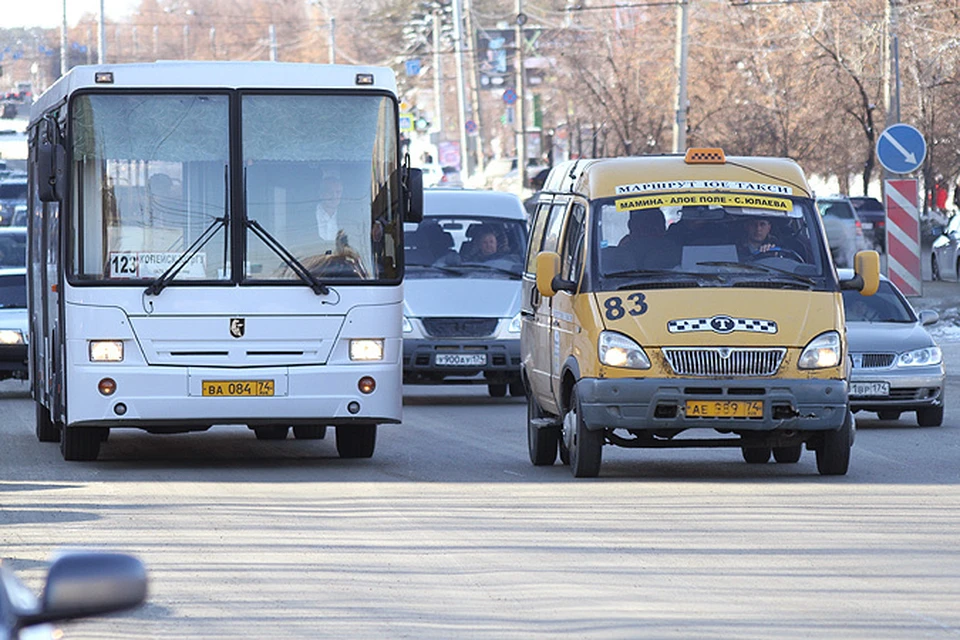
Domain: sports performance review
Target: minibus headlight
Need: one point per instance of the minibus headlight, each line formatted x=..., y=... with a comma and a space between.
x=920, y=357
x=617, y=350
x=366, y=349
x=822, y=352
x=515, y=324
x=106, y=350
x=11, y=336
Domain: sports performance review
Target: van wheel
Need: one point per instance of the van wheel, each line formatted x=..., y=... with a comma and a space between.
x=888, y=414
x=930, y=417
x=541, y=442
x=47, y=429
x=788, y=455
x=271, y=433
x=497, y=390
x=357, y=441
x=517, y=389
x=310, y=432
x=935, y=267
x=80, y=444
x=833, y=454
x=755, y=455
x=586, y=447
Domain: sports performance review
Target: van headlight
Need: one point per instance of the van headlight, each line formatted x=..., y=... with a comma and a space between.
x=366, y=349
x=515, y=324
x=920, y=357
x=822, y=352
x=407, y=325
x=11, y=336
x=617, y=350
x=106, y=351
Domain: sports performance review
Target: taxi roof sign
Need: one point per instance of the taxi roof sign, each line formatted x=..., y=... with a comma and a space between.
x=705, y=155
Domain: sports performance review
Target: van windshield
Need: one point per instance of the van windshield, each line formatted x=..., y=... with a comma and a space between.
x=459, y=246
x=776, y=243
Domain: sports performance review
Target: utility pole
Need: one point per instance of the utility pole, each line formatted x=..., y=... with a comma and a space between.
x=521, y=99
x=101, y=38
x=64, y=52
x=461, y=89
x=891, y=63
x=273, y=43
x=437, y=77
x=680, y=119
x=333, y=40
x=475, y=94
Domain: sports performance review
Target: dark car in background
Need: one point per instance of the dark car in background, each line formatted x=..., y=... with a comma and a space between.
x=13, y=194
x=873, y=218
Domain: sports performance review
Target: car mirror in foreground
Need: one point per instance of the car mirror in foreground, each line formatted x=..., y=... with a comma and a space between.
x=80, y=585
x=929, y=316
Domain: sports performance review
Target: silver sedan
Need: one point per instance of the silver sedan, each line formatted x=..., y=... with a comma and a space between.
x=897, y=365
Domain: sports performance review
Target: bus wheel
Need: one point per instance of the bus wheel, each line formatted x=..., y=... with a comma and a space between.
x=271, y=433
x=833, y=454
x=47, y=429
x=755, y=455
x=788, y=454
x=356, y=441
x=80, y=444
x=310, y=432
x=586, y=446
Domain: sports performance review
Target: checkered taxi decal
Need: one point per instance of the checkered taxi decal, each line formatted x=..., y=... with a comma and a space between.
x=721, y=324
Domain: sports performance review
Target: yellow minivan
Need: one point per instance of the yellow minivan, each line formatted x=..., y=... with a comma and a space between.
x=663, y=294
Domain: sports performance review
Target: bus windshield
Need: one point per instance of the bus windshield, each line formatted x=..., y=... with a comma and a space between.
x=157, y=174
x=722, y=244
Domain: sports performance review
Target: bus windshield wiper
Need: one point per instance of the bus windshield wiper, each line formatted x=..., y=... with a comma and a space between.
x=161, y=281
x=288, y=258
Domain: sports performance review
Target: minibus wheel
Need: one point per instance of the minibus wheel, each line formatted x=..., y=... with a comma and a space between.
x=755, y=455
x=789, y=454
x=833, y=454
x=541, y=441
x=586, y=447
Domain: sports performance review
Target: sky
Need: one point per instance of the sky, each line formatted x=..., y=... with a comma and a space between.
x=49, y=13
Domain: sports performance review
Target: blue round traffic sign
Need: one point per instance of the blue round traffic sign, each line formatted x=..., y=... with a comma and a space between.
x=901, y=148
x=509, y=96
x=471, y=126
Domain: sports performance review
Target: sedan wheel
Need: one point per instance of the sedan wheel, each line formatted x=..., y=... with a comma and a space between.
x=310, y=432
x=935, y=267
x=930, y=417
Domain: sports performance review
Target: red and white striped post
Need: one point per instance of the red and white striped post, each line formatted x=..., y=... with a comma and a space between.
x=903, y=235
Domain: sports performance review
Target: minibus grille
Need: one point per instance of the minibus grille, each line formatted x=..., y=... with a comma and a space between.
x=460, y=327
x=724, y=361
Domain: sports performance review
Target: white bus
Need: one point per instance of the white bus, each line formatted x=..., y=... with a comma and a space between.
x=217, y=243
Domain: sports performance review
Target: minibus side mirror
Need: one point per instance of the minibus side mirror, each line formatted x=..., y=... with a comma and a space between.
x=867, y=266
x=414, y=187
x=549, y=281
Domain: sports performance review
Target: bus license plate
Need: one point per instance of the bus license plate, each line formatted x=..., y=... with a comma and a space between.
x=237, y=388
x=724, y=409
x=461, y=359
x=869, y=388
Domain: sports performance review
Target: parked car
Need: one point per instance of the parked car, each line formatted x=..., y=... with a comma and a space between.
x=462, y=290
x=873, y=217
x=843, y=227
x=14, y=329
x=945, y=252
x=897, y=365
x=78, y=585
x=435, y=175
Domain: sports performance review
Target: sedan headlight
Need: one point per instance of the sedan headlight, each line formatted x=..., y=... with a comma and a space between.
x=366, y=349
x=106, y=351
x=822, y=352
x=515, y=324
x=10, y=336
x=617, y=350
x=920, y=357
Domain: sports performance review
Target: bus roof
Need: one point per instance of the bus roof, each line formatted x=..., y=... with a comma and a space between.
x=179, y=74
x=606, y=177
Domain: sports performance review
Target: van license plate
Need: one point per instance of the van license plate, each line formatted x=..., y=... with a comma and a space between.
x=237, y=388
x=461, y=359
x=869, y=388
x=724, y=409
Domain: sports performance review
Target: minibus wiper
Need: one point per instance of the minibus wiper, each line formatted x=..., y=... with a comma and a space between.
x=288, y=258
x=161, y=281
x=764, y=268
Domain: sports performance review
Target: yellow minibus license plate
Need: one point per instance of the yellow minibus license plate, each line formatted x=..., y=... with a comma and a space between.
x=237, y=388
x=724, y=409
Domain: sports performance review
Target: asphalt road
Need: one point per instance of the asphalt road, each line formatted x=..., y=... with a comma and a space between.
x=449, y=532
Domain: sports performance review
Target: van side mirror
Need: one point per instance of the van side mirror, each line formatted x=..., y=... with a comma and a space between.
x=414, y=197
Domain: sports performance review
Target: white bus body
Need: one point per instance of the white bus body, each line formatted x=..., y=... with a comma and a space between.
x=179, y=273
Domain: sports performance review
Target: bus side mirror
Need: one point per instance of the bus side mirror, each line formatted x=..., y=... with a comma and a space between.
x=51, y=158
x=414, y=186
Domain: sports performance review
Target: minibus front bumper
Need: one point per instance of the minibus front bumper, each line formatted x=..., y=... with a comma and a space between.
x=670, y=403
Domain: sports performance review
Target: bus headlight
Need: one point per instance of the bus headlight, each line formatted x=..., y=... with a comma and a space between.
x=10, y=336
x=366, y=349
x=617, y=350
x=106, y=350
x=822, y=352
